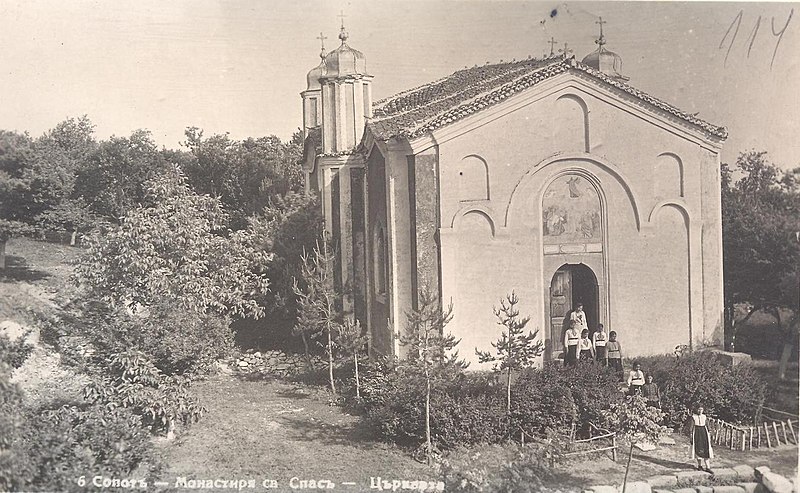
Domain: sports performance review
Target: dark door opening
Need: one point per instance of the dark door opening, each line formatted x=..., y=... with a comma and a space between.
x=571, y=284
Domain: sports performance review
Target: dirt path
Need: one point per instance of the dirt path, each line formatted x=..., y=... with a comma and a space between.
x=276, y=430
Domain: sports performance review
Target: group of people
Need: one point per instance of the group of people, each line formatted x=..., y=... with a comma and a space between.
x=600, y=347
x=605, y=349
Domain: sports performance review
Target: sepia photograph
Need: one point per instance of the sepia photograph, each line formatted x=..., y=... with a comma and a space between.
x=412, y=245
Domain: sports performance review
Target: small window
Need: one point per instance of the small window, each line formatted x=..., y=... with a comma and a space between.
x=379, y=257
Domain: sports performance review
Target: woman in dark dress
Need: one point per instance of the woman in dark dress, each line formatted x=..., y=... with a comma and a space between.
x=585, y=347
x=701, y=440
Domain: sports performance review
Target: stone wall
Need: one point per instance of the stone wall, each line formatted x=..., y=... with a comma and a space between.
x=738, y=479
x=275, y=363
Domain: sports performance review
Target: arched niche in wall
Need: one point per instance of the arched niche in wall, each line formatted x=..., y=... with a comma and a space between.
x=571, y=123
x=668, y=176
x=473, y=179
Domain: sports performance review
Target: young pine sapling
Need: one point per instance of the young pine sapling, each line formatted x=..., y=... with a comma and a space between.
x=514, y=350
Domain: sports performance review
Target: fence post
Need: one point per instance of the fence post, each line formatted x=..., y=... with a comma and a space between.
x=791, y=428
x=777, y=437
x=785, y=435
x=766, y=433
x=751, y=438
x=614, y=450
x=744, y=439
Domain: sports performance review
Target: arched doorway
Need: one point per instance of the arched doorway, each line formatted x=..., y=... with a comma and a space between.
x=572, y=284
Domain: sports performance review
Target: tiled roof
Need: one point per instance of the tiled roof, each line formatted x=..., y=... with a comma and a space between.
x=431, y=106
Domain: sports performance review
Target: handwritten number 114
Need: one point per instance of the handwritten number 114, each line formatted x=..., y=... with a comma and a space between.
x=736, y=24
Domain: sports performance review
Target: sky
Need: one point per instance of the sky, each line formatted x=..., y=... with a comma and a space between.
x=239, y=66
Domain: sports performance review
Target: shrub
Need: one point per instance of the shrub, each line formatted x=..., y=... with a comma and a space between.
x=14, y=353
x=593, y=389
x=500, y=468
x=469, y=408
x=65, y=443
x=130, y=380
x=13, y=464
x=178, y=341
x=543, y=407
x=732, y=393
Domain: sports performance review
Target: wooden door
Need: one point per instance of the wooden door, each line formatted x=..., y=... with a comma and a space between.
x=560, y=306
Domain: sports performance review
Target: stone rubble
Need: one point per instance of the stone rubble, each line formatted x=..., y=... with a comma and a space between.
x=275, y=362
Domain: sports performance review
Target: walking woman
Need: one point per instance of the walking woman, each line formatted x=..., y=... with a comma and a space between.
x=701, y=439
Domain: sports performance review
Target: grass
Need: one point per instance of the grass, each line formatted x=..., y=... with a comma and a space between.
x=279, y=430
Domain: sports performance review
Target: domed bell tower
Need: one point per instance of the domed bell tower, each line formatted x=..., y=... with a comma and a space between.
x=336, y=103
x=604, y=60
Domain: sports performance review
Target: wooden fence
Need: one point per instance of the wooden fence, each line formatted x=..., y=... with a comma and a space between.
x=599, y=440
x=776, y=429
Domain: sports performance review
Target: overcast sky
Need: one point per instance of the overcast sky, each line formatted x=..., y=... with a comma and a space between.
x=238, y=66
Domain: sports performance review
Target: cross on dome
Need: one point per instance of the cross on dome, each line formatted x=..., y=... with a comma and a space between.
x=343, y=35
x=601, y=40
x=322, y=39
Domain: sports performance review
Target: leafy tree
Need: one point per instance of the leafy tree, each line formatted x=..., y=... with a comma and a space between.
x=352, y=340
x=15, y=218
x=514, y=350
x=172, y=250
x=430, y=351
x=318, y=303
x=247, y=175
x=760, y=225
x=113, y=180
x=57, y=158
x=635, y=421
x=130, y=380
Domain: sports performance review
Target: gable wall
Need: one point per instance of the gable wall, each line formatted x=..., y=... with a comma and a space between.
x=646, y=269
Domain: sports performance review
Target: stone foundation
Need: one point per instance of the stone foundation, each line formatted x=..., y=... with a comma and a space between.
x=738, y=479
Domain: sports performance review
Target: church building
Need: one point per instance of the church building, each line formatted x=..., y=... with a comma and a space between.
x=552, y=178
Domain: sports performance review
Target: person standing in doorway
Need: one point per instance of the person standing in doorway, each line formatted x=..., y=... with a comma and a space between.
x=614, y=352
x=578, y=317
x=571, y=338
x=701, y=440
x=599, y=340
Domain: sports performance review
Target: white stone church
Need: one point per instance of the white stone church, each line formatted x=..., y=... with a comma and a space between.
x=550, y=177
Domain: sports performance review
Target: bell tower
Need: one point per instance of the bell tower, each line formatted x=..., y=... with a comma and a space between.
x=336, y=104
x=346, y=97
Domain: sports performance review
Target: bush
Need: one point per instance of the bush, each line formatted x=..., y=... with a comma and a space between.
x=541, y=407
x=130, y=380
x=14, y=353
x=68, y=442
x=468, y=408
x=13, y=465
x=593, y=389
x=733, y=393
x=499, y=468
x=178, y=341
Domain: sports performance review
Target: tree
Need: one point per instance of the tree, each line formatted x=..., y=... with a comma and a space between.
x=352, y=340
x=15, y=218
x=430, y=351
x=173, y=250
x=113, y=180
x=635, y=421
x=245, y=174
x=514, y=349
x=760, y=225
x=57, y=158
x=318, y=303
